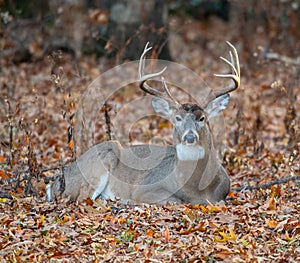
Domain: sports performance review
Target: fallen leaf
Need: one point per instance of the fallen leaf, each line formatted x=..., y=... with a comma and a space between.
x=271, y=223
x=225, y=236
x=166, y=234
x=272, y=204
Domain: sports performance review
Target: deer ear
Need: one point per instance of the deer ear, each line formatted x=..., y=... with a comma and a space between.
x=162, y=106
x=217, y=106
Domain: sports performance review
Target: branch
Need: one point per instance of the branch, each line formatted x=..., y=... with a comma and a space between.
x=282, y=58
x=268, y=185
x=107, y=120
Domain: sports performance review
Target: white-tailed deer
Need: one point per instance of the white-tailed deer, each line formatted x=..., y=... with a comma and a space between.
x=186, y=172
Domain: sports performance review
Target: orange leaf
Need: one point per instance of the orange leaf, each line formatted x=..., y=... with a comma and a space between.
x=271, y=223
x=122, y=220
x=3, y=175
x=166, y=234
x=272, y=203
x=20, y=190
x=72, y=104
x=71, y=144
x=149, y=233
x=89, y=201
x=61, y=238
x=232, y=194
x=203, y=208
x=65, y=219
x=2, y=159
x=19, y=229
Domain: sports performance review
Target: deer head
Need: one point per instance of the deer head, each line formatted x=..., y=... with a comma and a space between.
x=190, y=121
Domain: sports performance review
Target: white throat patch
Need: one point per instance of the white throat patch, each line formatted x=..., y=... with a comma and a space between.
x=189, y=152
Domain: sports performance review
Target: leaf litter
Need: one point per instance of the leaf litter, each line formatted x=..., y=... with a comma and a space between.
x=262, y=139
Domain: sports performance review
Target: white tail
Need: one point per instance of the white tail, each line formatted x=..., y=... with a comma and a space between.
x=187, y=172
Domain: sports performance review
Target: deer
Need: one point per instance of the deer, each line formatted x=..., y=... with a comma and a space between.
x=188, y=171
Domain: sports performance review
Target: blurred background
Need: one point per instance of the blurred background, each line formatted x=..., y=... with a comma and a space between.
x=120, y=29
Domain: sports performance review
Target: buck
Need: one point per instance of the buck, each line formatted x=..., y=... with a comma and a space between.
x=186, y=172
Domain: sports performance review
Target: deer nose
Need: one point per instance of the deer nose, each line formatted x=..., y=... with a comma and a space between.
x=190, y=138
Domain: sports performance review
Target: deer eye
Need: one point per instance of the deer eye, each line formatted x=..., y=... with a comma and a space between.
x=178, y=118
x=202, y=118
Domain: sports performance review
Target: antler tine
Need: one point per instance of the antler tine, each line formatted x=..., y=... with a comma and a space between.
x=143, y=78
x=168, y=91
x=235, y=72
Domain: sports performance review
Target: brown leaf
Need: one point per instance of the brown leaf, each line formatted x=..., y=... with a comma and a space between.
x=272, y=204
x=166, y=234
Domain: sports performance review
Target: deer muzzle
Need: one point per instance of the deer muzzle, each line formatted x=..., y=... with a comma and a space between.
x=190, y=137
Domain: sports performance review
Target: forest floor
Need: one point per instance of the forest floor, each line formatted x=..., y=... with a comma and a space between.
x=38, y=100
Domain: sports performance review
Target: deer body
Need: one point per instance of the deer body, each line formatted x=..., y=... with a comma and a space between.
x=165, y=182
x=186, y=172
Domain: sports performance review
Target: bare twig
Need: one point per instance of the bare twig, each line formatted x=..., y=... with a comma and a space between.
x=268, y=185
x=107, y=120
x=9, y=118
x=282, y=58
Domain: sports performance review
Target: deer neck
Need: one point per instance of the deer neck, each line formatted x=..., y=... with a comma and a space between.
x=186, y=153
x=196, y=166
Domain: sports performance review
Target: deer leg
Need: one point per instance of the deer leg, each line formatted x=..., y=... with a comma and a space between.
x=101, y=186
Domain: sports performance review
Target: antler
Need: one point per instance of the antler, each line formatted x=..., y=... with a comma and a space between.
x=235, y=74
x=143, y=78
